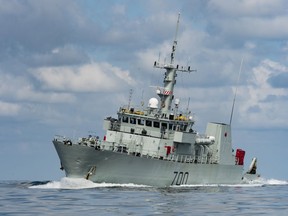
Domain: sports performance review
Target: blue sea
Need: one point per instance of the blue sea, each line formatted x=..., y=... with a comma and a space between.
x=82, y=197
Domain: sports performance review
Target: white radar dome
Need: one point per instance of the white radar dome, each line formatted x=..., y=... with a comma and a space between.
x=177, y=101
x=153, y=103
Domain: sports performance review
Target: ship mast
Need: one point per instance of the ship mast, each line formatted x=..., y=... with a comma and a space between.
x=175, y=41
x=166, y=94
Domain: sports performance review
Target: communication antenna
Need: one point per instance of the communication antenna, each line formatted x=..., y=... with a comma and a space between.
x=142, y=98
x=187, y=109
x=130, y=97
x=240, y=70
x=175, y=41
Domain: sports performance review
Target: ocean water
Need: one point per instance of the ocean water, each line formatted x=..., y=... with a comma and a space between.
x=82, y=197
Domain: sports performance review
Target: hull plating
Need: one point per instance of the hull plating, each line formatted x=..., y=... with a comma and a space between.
x=115, y=167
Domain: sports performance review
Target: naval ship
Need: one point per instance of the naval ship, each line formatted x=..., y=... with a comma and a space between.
x=156, y=145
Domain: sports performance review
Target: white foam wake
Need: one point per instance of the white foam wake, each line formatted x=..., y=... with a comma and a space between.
x=272, y=181
x=80, y=183
x=245, y=183
x=220, y=185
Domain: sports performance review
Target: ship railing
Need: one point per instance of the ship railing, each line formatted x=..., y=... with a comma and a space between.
x=84, y=141
x=173, y=157
x=120, y=149
x=63, y=139
x=204, y=159
x=190, y=159
x=90, y=142
x=214, y=159
x=181, y=158
x=59, y=138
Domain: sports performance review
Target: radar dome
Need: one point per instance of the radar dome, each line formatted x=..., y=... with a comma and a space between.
x=153, y=103
x=177, y=101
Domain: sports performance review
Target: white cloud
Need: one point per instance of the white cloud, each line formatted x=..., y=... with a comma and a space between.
x=249, y=45
x=256, y=27
x=94, y=77
x=66, y=55
x=247, y=7
x=21, y=89
x=255, y=107
x=236, y=20
x=147, y=57
x=119, y=9
x=9, y=109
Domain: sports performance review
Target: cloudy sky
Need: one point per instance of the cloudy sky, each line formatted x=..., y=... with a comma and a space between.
x=67, y=64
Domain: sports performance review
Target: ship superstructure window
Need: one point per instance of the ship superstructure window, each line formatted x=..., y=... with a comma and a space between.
x=170, y=126
x=185, y=127
x=141, y=121
x=125, y=119
x=164, y=125
x=149, y=123
x=156, y=124
x=132, y=120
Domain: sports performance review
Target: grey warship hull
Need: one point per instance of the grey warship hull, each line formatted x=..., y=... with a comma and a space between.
x=100, y=166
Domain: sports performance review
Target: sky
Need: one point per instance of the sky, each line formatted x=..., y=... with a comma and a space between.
x=65, y=65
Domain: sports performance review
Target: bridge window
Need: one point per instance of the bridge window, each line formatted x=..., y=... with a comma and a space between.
x=133, y=120
x=185, y=127
x=125, y=119
x=164, y=125
x=176, y=127
x=156, y=124
x=141, y=121
x=149, y=123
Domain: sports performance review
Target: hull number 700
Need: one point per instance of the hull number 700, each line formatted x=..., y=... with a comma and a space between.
x=180, y=178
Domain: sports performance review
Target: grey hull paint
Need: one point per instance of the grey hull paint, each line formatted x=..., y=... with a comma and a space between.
x=114, y=167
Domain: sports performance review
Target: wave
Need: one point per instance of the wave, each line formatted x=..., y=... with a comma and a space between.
x=272, y=181
x=259, y=182
x=79, y=183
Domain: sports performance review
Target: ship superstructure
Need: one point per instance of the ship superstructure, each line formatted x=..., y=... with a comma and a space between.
x=156, y=145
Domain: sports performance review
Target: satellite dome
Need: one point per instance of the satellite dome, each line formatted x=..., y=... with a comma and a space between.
x=153, y=103
x=177, y=101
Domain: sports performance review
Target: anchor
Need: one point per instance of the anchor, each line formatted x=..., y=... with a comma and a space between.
x=61, y=167
x=91, y=171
